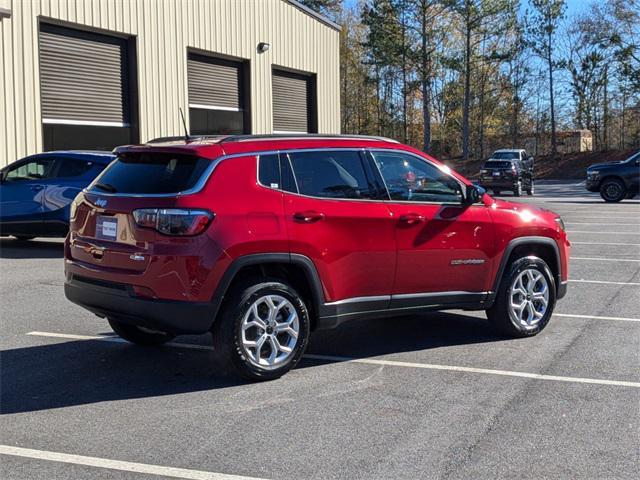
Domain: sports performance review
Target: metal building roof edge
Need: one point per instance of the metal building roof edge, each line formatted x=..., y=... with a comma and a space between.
x=318, y=16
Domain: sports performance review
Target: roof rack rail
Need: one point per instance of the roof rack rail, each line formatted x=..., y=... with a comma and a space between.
x=190, y=138
x=240, y=138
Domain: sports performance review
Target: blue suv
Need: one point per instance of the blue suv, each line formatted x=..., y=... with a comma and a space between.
x=36, y=192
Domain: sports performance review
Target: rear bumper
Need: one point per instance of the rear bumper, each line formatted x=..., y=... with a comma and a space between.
x=107, y=299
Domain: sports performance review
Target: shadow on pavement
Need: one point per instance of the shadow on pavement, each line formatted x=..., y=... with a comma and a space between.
x=12, y=248
x=71, y=373
x=601, y=202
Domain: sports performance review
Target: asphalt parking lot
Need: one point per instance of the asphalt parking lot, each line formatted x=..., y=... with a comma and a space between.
x=433, y=396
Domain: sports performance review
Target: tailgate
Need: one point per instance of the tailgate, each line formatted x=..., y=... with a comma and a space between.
x=104, y=233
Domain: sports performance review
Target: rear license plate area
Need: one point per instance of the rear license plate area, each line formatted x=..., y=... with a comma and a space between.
x=107, y=228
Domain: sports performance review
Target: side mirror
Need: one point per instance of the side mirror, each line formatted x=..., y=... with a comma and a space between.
x=474, y=194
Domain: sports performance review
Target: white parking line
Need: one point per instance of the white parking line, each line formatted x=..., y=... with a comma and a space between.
x=595, y=317
x=118, y=464
x=606, y=259
x=633, y=284
x=604, y=224
x=601, y=243
x=391, y=363
x=607, y=217
x=603, y=233
x=488, y=371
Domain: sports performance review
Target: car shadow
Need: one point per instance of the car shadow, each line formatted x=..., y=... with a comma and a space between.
x=382, y=336
x=13, y=248
x=70, y=373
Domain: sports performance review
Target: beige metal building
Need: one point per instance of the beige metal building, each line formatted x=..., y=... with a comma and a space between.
x=92, y=74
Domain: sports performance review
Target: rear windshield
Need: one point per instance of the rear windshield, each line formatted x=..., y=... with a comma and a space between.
x=151, y=173
x=505, y=155
x=497, y=165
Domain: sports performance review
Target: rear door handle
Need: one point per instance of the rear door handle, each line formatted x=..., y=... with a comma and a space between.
x=412, y=218
x=308, y=216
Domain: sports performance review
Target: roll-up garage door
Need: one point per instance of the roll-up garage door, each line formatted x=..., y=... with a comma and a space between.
x=292, y=103
x=216, y=95
x=82, y=76
x=84, y=87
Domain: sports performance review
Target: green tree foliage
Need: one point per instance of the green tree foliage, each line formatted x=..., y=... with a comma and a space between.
x=459, y=78
x=543, y=28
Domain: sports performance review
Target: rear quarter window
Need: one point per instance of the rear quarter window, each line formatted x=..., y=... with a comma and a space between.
x=151, y=173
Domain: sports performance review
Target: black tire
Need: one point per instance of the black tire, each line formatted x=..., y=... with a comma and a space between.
x=140, y=335
x=24, y=238
x=500, y=315
x=230, y=355
x=496, y=192
x=612, y=190
x=517, y=189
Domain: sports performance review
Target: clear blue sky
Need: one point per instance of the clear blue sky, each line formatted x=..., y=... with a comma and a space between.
x=573, y=6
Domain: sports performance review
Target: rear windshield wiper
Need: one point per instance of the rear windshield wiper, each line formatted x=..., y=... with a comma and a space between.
x=106, y=187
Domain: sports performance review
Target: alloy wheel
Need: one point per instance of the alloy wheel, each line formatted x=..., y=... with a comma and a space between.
x=612, y=191
x=528, y=298
x=269, y=331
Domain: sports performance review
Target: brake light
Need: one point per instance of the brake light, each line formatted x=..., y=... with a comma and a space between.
x=73, y=209
x=173, y=221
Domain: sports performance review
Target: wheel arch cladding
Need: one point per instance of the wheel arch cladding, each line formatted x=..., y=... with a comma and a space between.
x=542, y=247
x=612, y=176
x=297, y=270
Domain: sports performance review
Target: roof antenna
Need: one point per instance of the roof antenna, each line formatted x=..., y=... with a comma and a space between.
x=184, y=124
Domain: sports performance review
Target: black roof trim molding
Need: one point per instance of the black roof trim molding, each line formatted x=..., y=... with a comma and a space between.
x=314, y=14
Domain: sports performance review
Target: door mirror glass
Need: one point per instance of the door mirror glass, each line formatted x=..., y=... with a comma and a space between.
x=474, y=194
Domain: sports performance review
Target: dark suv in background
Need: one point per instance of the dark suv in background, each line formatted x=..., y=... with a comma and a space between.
x=615, y=180
x=508, y=170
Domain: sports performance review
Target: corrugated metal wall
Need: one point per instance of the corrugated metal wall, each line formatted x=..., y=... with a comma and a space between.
x=164, y=29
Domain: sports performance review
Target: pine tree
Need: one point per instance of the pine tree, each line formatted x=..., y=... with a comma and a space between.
x=542, y=30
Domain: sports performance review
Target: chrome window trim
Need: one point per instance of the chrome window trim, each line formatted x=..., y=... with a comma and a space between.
x=204, y=178
x=258, y=157
x=338, y=149
x=297, y=192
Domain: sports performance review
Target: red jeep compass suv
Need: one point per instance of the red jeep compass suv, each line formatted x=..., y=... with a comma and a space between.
x=262, y=239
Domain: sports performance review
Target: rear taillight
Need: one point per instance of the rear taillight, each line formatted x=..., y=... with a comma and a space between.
x=73, y=210
x=173, y=221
